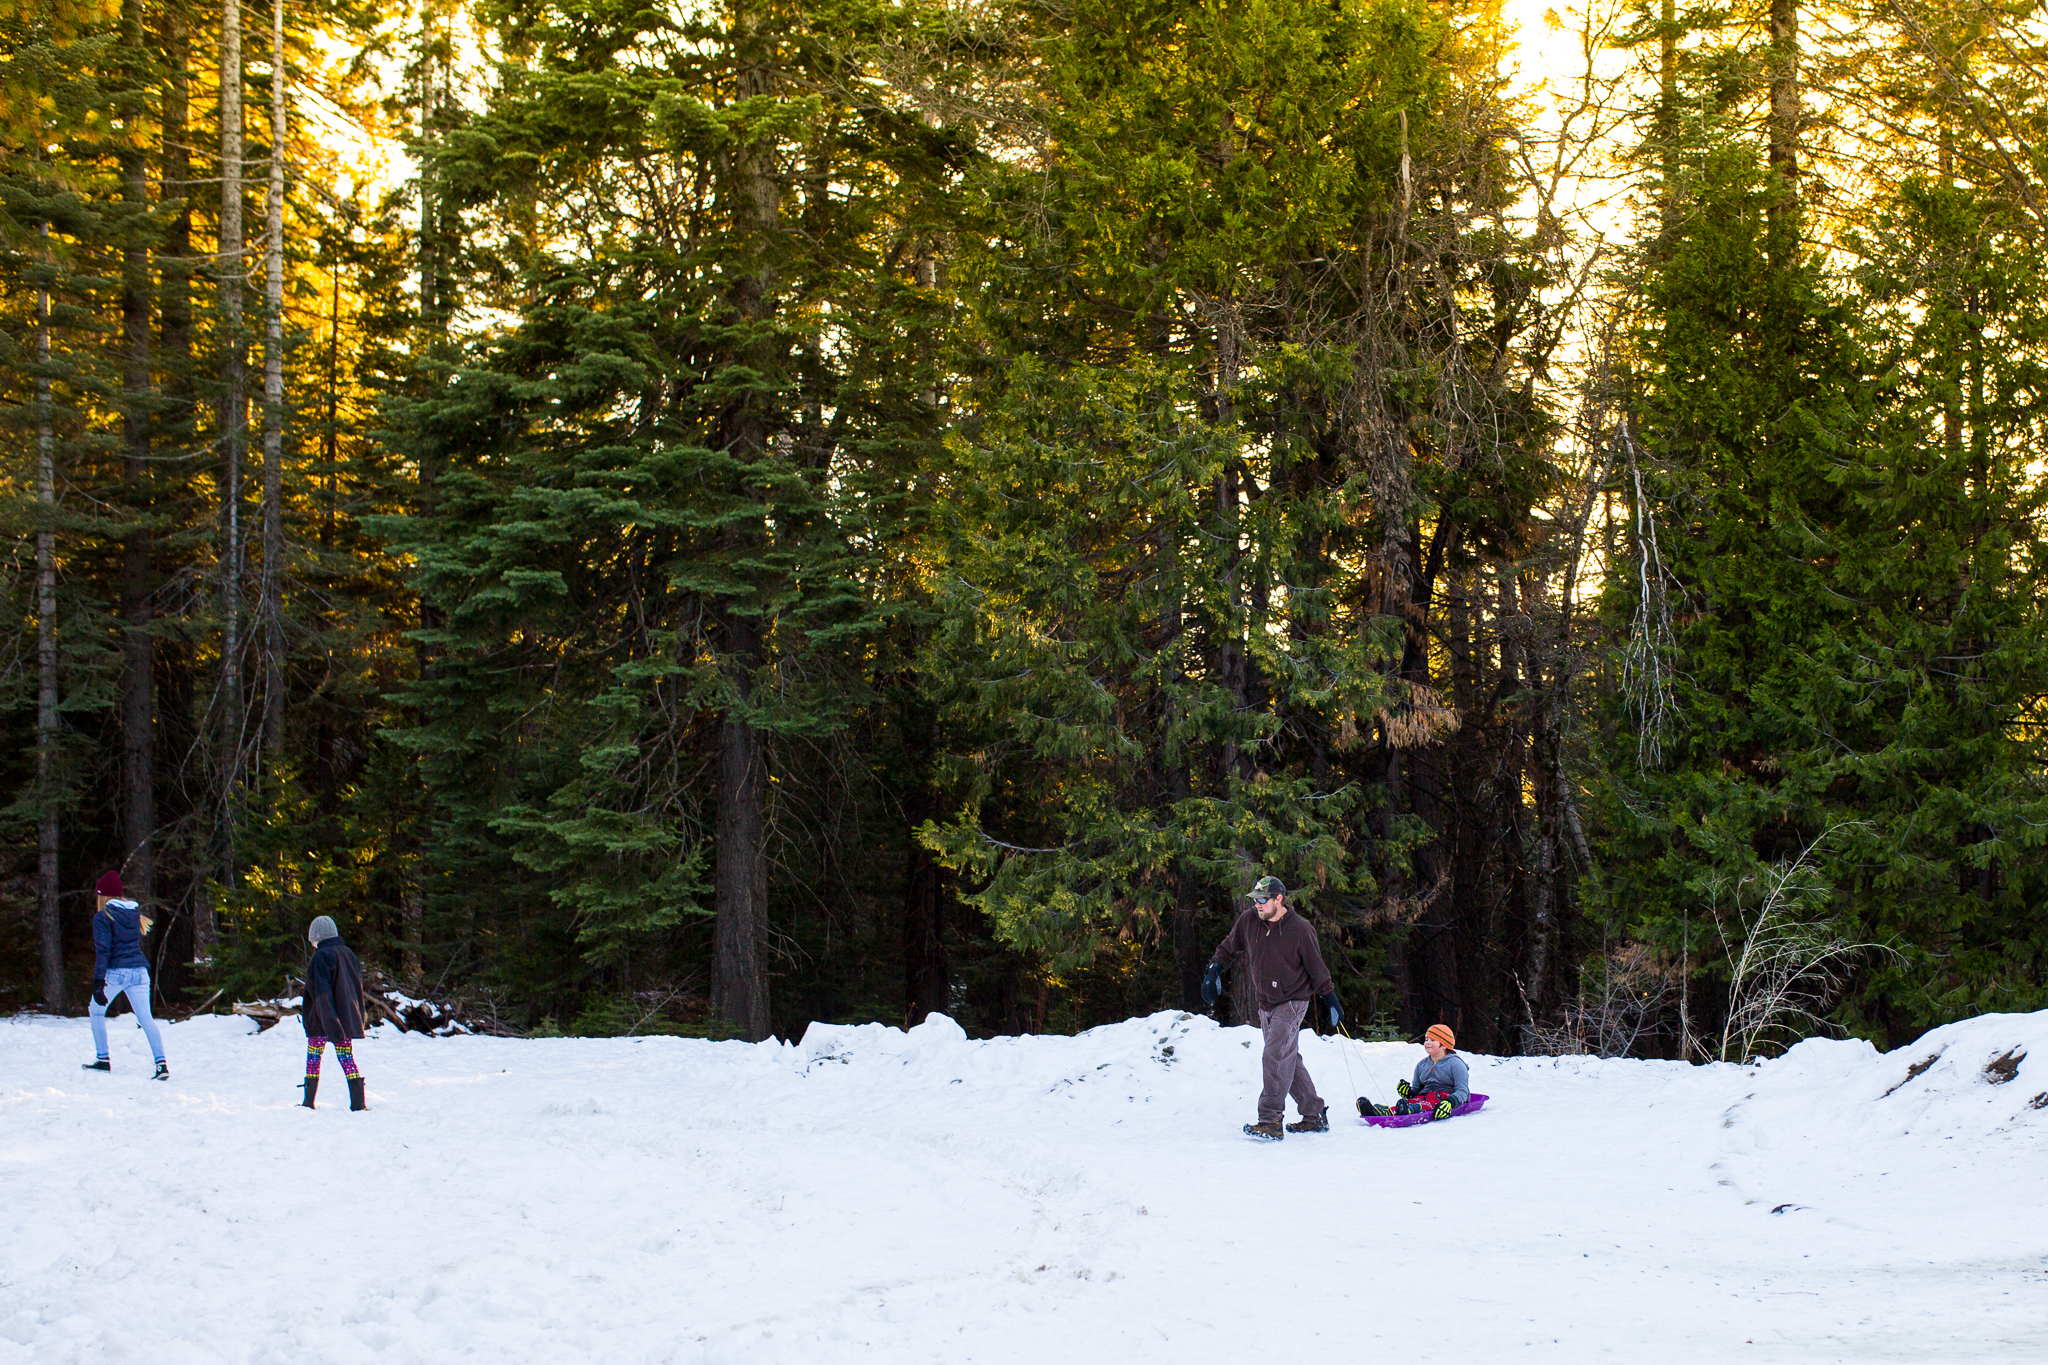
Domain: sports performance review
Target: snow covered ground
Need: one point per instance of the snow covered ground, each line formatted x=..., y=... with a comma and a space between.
x=867, y=1195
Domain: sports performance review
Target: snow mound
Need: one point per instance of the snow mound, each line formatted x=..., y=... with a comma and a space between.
x=1957, y=1120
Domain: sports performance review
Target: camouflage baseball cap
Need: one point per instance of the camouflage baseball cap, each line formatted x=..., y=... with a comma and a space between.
x=1268, y=886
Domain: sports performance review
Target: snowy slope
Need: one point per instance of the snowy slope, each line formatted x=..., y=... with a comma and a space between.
x=872, y=1195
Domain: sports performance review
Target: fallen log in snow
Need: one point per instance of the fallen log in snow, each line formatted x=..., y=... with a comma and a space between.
x=385, y=1003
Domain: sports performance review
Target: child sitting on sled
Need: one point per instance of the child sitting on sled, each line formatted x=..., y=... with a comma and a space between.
x=1442, y=1082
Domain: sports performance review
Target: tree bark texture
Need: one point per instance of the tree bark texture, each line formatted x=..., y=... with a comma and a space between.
x=739, y=986
x=273, y=408
x=925, y=987
x=233, y=422
x=47, y=734
x=739, y=974
x=1189, y=956
x=138, y=569
x=1784, y=131
x=924, y=943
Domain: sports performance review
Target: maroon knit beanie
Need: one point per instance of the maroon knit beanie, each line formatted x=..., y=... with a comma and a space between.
x=110, y=885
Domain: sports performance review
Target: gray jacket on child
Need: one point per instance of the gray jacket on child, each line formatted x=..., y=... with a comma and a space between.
x=1449, y=1074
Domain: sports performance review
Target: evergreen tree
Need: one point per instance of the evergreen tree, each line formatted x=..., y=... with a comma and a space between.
x=1218, y=402
x=1849, y=584
x=658, y=495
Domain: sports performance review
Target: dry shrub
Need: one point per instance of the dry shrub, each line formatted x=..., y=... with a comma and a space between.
x=1624, y=997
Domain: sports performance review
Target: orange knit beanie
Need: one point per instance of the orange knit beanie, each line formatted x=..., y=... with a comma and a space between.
x=1442, y=1033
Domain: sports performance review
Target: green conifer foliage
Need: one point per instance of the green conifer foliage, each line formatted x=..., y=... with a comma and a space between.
x=1850, y=554
x=1218, y=393
x=666, y=495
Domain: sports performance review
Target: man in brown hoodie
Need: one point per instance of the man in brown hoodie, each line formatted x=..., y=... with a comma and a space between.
x=1287, y=971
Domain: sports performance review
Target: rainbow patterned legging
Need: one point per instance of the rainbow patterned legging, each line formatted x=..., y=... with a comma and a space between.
x=343, y=1049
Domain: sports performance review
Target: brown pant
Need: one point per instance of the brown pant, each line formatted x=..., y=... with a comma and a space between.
x=1285, y=1074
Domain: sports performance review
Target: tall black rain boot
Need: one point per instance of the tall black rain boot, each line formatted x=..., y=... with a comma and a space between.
x=355, y=1094
x=312, y=1087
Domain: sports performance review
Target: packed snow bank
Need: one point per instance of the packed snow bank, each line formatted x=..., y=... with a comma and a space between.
x=868, y=1194
x=1951, y=1132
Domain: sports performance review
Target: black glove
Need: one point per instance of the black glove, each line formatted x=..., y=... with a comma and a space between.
x=1443, y=1110
x=1212, y=984
x=1335, y=1007
x=99, y=992
x=1403, y=1089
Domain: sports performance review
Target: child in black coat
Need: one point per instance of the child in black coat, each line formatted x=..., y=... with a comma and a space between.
x=333, y=1009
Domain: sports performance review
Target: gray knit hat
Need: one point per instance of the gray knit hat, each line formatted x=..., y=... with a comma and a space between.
x=321, y=930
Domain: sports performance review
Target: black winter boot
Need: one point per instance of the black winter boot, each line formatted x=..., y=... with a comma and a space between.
x=312, y=1088
x=1311, y=1123
x=355, y=1094
x=1367, y=1109
x=101, y=1065
x=1266, y=1130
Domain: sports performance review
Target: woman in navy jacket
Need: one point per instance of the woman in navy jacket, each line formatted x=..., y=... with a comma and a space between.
x=332, y=1010
x=118, y=964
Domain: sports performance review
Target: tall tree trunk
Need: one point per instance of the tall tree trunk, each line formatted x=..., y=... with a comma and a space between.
x=138, y=569
x=1547, y=902
x=431, y=317
x=1522, y=827
x=924, y=940
x=1226, y=496
x=273, y=408
x=47, y=885
x=1667, y=114
x=739, y=980
x=324, y=775
x=1243, y=987
x=432, y=332
x=739, y=988
x=1422, y=775
x=1784, y=132
x=1189, y=957
x=233, y=421
x=178, y=424
x=176, y=251
x=411, y=922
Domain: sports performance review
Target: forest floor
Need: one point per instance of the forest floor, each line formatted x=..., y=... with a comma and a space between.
x=871, y=1195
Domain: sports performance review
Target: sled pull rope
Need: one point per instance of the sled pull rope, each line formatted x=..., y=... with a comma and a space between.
x=1346, y=1053
x=1370, y=1075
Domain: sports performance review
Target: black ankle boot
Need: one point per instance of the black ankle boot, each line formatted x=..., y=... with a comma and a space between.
x=355, y=1093
x=312, y=1087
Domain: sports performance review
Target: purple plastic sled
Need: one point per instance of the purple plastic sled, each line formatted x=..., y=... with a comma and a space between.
x=1410, y=1120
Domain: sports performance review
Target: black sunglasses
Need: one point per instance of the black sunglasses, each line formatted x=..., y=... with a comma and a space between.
x=1260, y=900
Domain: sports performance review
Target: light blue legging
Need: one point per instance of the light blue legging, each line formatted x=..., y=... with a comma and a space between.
x=135, y=981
